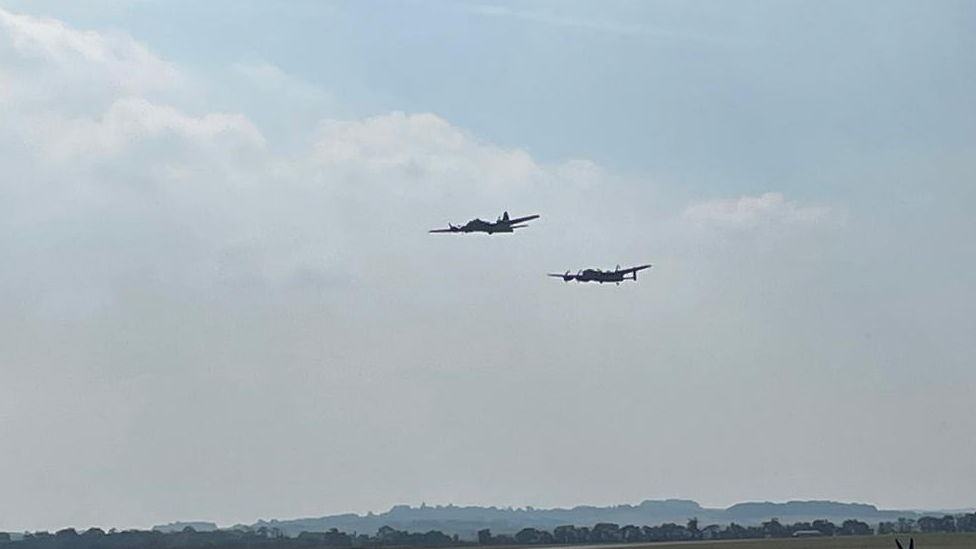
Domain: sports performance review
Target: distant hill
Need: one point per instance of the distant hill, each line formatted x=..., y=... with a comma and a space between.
x=466, y=521
x=794, y=511
x=180, y=526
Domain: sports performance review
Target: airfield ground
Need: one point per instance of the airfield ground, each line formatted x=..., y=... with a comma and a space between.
x=922, y=541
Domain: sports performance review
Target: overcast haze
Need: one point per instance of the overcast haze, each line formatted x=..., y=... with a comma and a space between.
x=219, y=301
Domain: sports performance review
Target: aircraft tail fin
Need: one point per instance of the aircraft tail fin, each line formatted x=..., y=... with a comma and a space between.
x=505, y=216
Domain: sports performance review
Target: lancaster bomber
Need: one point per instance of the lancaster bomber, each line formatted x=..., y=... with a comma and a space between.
x=616, y=276
x=504, y=224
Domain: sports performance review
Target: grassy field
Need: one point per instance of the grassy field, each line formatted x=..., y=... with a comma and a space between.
x=922, y=541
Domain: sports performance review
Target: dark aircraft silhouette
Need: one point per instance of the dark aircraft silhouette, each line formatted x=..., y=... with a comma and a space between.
x=911, y=544
x=616, y=276
x=504, y=225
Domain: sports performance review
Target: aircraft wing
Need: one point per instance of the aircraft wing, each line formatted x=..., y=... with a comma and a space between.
x=634, y=269
x=522, y=219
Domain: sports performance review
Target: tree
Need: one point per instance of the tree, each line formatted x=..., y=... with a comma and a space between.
x=387, y=535
x=825, y=527
x=948, y=523
x=631, y=534
x=853, y=527
x=933, y=524
x=800, y=526
x=528, y=536
x=674, y=532
x=966, y=523
x=773, y=529
x=652, y=533
x=605, y=532
x=566, y=534
x=734, y=531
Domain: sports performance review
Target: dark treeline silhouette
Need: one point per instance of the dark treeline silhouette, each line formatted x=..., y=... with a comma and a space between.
x=605, y=532
x=692, y=531
x=188, y=538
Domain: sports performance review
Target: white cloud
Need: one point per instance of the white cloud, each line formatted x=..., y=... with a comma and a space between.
x=230, y=207
x=130, y=120
x=770, y=208
x=421, y=145
x=580, y=173
x=46, y=46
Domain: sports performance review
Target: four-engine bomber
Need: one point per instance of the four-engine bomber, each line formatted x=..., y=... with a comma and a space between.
x=506, y=224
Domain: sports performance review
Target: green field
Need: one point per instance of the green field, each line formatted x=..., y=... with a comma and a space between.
x=922, y=541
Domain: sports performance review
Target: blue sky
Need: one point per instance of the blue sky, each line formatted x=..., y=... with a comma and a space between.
x=214, y=234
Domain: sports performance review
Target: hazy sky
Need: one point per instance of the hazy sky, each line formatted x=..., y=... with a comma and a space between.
x=218, y=299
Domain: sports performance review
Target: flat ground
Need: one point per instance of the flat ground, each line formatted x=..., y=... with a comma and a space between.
x=922, y=541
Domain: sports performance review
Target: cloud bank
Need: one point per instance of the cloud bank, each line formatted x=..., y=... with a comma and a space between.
x=752, y=211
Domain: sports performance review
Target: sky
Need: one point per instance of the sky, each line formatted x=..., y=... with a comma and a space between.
x=219, y=301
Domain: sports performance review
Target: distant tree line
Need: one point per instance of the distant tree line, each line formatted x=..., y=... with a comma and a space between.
x=948, y=523
x=613, y=533
x=273, y=538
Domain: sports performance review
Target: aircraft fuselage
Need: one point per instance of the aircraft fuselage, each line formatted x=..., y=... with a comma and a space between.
x=505, y=224
x=615, y=276
x=596, y=275
x=482, y=226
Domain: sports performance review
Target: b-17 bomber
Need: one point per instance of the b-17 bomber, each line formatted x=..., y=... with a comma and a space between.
x=504, y=224
x=616, y=276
